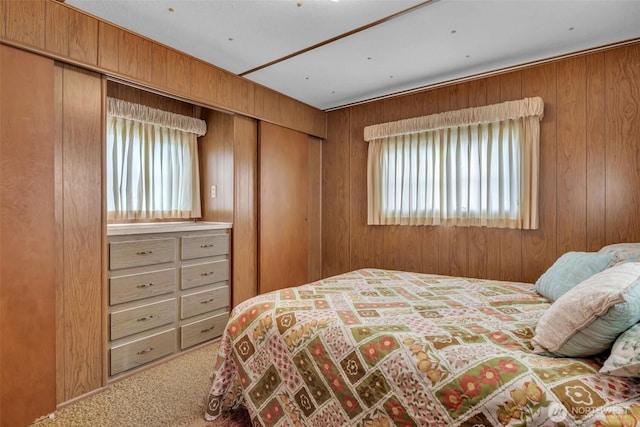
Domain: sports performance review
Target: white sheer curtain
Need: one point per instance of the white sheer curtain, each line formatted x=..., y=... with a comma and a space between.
x=152, y=163
x=472, y=167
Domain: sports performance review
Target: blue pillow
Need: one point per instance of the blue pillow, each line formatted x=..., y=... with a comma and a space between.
x=569, y=270
x=588, y=318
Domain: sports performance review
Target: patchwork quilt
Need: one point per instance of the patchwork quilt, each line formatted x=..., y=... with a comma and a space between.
x=379, y=348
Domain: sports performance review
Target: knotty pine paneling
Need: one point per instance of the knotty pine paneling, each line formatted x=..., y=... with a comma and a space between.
x=83, y=37
x=82, y=153
x=588, y=172
x=245, y=211
x=25, y=22
x=27, y=238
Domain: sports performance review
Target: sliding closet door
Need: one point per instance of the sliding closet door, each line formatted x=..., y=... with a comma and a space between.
x=27, y=238
x=283, y=204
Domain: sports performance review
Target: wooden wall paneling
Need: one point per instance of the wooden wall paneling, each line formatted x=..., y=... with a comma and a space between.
x=477, y=243
x=27, y=238
x=539, y=246
x=283, y=194
x=571, y=156
x=109, y=47
x=178, y=72
x=244, y=99
x=201, y=85
x=59, y=229
x=216, y=167
x=83, y=37
x=82, y=218
x=622, y=155
x=429, y=234
x=135, y=56
x=596, y=151
x=25, y=22
x=3, y=22
x=159, y=70
x=367, y=241
x=314, y=209
x=244, y=281
x=335, y=194
x=510, y=240
x=223, y=86
x=57, y=28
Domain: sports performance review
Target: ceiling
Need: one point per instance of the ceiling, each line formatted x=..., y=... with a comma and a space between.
x=330, y=53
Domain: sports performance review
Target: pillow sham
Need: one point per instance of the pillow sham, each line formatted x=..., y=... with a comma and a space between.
x=623, y=252
x=569, y=270
x=624, y=360
x=588, y=318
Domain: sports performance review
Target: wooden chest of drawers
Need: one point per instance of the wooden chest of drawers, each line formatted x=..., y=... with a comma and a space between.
x=168, y=291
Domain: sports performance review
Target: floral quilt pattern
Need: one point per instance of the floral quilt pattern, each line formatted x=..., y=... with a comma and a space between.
x=380, y=348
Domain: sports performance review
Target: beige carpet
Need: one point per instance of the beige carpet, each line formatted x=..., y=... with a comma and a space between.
x=169, y=395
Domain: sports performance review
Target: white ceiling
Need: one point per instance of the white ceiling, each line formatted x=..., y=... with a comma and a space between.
x=430, y=44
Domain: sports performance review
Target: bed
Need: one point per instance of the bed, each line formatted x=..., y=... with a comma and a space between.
x=377, y=347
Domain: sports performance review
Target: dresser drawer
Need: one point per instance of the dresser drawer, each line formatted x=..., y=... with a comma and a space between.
x=202, y=330
x=142, y=351
x=202, y=302
x=204, y=274
x=138, y=319
x=141, y=252
x=143, y=285
x=205, y=246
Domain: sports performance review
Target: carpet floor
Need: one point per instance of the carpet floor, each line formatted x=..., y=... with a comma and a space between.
x=172, y=394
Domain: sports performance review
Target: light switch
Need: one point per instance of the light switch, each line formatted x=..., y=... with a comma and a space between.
x=214, y=191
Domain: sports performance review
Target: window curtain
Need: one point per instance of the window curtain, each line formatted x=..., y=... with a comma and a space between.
x=152, y=163
x=471, y=167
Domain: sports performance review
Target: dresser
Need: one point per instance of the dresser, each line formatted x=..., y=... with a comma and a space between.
x=168, y=289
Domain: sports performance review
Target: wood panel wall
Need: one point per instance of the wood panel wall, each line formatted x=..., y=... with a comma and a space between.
x=27, y=239
x=79, y=232
x=55, y=29
x=589, y=174
x=245, y=210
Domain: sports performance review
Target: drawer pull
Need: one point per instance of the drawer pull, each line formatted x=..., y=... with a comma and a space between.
x=145, y=285
x=208, y=245
x=203, y=331
x=207, y=274
x=145, y=318
x=207, y=301
x=144, y=253
x=146, y=350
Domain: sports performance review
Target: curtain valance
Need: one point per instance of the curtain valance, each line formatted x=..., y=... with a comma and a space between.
x=527, y=107
x=142, y=113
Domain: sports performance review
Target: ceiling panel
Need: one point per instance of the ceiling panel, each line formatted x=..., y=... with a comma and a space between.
x=431, y=44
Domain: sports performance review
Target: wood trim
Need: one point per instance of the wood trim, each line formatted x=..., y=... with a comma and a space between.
x=314, y=209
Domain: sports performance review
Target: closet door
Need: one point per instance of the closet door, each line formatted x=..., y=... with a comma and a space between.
x=27, y=238
x=283, y=203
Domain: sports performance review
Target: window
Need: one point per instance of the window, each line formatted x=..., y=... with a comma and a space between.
x=473, y=167
x=152, y=163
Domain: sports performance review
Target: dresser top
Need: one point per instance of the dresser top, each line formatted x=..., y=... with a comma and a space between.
x=163, y=227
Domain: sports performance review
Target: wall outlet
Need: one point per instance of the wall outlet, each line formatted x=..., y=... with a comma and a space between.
x=214, y=191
